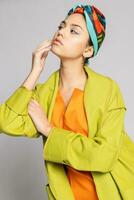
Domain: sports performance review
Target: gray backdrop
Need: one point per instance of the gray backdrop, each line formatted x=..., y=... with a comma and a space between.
x=23, y=26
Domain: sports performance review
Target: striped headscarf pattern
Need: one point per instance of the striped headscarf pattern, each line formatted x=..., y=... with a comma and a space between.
x=95, y=21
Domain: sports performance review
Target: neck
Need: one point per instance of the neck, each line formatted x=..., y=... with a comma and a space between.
x=72, y=75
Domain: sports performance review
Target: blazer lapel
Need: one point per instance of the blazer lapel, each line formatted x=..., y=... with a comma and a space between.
x=91, y=101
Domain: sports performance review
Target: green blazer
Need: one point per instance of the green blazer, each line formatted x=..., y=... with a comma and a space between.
x=109, y=151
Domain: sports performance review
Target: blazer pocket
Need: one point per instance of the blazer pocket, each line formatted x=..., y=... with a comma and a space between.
x=49, y=192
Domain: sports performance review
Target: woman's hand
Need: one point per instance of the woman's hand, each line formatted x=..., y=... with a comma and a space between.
x=40, y=54
x=39, y=118
x=38, y=59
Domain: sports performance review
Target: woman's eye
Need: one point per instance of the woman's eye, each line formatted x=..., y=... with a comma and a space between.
x=59, y=27
x=74, y=31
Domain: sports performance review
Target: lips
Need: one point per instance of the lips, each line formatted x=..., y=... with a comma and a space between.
x=57, y=40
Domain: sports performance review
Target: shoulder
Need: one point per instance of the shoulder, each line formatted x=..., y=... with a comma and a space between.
x=103, y=81
x=108, y=87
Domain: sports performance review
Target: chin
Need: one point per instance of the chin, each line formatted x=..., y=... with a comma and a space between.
x=56, y=50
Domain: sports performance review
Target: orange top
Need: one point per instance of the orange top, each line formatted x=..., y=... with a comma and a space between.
x=73, y=118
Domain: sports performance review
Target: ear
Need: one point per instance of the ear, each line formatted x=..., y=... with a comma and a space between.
x=88, y=52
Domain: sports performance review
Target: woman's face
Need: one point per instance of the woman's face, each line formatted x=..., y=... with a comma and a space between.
x=74, y=36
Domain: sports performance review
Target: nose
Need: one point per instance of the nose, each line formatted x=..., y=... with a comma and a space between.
x=61, y=32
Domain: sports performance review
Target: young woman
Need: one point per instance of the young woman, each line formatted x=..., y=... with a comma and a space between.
x=79, y=113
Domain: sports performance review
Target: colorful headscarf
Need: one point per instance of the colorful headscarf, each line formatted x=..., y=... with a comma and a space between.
x=95, y=21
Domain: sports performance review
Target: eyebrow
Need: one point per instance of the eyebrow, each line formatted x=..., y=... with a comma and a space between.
x=64, y=22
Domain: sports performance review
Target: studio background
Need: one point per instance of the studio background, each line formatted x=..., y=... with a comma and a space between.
x=23, y=26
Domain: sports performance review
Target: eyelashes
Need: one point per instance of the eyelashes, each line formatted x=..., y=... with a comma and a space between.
x=59, y=27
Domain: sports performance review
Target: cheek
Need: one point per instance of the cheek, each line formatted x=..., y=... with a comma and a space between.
x=75, y=46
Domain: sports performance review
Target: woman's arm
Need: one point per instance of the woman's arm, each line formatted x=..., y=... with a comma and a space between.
x=14, y=117
x=32, y=78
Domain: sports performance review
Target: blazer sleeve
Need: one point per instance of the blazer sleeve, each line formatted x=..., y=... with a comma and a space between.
x=14, y=117
x=91, y=154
